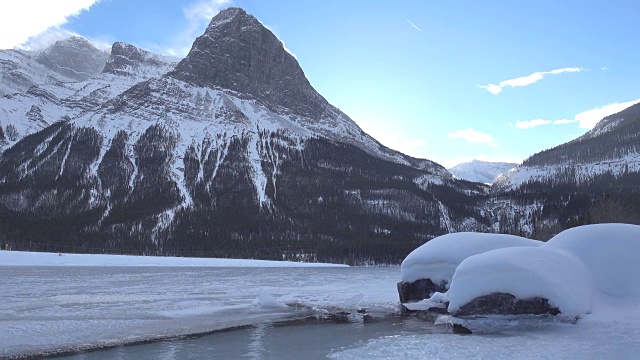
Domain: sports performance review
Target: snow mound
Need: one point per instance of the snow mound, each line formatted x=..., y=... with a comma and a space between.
x=438, y=259
x=524, y=272
x=610, y=252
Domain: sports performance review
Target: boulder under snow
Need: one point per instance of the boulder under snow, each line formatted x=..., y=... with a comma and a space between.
x=562, y=276
x=611, y=252
x=430, y=267
x=521, y=280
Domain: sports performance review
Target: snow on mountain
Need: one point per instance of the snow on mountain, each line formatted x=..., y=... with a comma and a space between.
x=75, y=57
x=481, y=171
x=609, y=148
x=43, y=104
x=234, y=141
x=19, y=71
x=248, y=58
x=581, y=173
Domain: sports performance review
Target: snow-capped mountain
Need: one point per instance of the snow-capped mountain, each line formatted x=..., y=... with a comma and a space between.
x=44, y=103
x=593, y=178
x=481, y=171
x=75, y=57
x=611, y=147
x=230, y=151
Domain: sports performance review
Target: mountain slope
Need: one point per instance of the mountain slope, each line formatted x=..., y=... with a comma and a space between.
x=611, y=147
x=481, y=171
x=24, y=113
x=594, y=178
x=207, y=161
x=75, y=57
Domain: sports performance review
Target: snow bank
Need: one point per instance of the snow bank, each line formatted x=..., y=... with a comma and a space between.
x=525, y=272
x=611, y=252
x=438, y=259
x=20, y=258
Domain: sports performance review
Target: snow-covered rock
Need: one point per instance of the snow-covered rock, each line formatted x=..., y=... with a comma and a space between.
x=438, y=259
x=611, y=252
x=525, y=273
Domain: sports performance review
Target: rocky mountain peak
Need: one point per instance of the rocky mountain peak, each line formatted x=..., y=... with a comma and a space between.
x=129, y=60
x=74, y=57
x=238, y=52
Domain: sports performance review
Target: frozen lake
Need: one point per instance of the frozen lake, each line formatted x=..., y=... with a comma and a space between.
x=57, y=309
x=174, y=312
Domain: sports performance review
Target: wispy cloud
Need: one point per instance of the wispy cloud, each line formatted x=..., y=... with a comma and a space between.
x=53, y=34
x=526, y=80
x=197, y=14
x=412, y=24
x=531, y=123
x=473, y=136
x=586, y=119
x=22, y=20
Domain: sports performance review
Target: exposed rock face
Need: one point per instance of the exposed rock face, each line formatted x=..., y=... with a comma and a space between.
x=128, y=60
x=237, y=52
x=506, y=304
x=74, y=57
x=419, y=290
x=461, y=330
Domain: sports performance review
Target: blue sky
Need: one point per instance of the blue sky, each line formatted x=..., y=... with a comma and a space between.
x=445, y=80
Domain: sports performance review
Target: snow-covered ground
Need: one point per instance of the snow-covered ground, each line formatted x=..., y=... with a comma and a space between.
x=21, y=258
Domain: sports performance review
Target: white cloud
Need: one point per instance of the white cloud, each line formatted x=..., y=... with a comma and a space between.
x=525, y=80
x=588, y=119
x=563, y=121
x=532, y=123
x=21, y=20
x=198, y=14
x=53, y=34
x=473, y=136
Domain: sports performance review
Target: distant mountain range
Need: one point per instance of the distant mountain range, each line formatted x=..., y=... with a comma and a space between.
x=230, y=152
x=481, y=171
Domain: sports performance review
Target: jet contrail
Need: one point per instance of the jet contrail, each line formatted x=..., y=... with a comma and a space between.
x=412, y=24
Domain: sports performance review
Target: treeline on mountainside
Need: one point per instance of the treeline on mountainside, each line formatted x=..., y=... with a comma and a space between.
x=626, y=138
x=603, y=198
x=325, y=201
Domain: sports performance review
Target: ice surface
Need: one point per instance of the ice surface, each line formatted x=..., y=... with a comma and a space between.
x=267, y=301
x=525, y=272
x=20, y=258
x=49, y=309
x=438, y=259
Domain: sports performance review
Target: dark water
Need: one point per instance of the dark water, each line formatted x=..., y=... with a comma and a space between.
x=302, y=339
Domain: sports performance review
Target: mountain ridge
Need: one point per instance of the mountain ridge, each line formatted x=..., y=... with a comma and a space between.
x=179, y=161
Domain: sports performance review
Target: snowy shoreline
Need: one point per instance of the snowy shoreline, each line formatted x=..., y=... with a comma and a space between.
x=23, y=258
